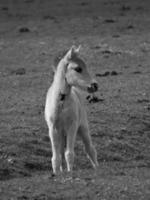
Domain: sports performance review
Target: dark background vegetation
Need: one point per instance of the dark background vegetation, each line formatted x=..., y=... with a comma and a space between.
x=115, y=39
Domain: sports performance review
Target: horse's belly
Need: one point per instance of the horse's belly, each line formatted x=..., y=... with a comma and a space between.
x=67, y=116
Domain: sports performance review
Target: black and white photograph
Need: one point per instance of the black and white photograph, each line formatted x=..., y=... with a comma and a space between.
x=74, y=100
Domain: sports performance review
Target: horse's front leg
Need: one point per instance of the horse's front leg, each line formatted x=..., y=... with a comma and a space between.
x=69, y=153
x=56, y=160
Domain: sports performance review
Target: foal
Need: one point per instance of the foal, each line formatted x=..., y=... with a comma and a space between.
x=65, y=113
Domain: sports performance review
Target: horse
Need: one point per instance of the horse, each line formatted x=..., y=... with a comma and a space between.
x=65, y=113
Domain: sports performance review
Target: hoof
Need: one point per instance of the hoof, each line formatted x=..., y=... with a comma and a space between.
x=52, y=175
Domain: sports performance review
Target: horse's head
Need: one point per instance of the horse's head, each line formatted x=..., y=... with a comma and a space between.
x=76, y=72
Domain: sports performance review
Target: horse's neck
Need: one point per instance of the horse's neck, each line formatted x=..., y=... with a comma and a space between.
x=80, y=94
x=59, y=84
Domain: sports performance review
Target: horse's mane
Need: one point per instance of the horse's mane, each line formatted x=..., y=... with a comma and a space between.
x=58, y=57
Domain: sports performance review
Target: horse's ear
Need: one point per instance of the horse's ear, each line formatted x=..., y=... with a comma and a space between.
x=78, y=49
x=73, y=51
x=70, y=53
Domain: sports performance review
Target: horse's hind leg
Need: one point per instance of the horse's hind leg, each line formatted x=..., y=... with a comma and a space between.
x=89, y=148
x=56, y=149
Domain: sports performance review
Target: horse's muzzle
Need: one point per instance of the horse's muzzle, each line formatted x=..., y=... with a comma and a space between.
x=93, y=87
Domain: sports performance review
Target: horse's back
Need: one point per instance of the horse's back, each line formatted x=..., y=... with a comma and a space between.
x=50, y=110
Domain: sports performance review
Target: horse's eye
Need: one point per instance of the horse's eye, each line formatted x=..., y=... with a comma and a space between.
x=78, y=69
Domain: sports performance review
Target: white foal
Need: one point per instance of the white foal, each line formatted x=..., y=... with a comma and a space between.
x=65, y=113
